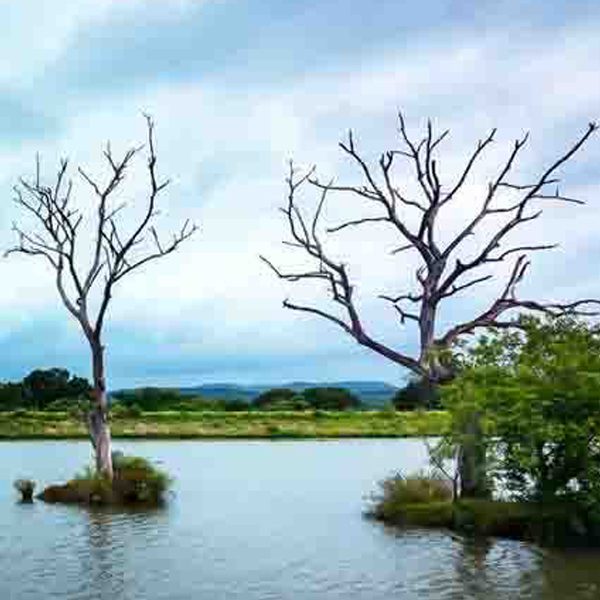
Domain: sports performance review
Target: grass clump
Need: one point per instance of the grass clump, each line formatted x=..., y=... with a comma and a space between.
x=136, y=482
x=417, y=499
x=25, y=487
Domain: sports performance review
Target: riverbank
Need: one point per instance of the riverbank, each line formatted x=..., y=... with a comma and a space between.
x=557, y=525
x=231, y=425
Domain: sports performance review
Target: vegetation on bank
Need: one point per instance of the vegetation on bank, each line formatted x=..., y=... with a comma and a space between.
x=223, y=424
x=426, y=501
x=528, y=403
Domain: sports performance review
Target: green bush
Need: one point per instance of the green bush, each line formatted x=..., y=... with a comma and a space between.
x=533, y=396
x=416, y=488
x=120, y=411
x=398, y=495
x=417, y=394
x=330, y=398
x=136, y=481
x=275, y=398
x=236, y=406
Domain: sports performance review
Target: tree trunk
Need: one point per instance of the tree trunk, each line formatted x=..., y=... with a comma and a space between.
x=472, y=466
x=98, y=415
x=472, y=460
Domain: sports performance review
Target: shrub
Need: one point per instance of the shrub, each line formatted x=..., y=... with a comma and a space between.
x=399, y=495
x=136, y=481
x=120, y=411
x=417, y=394
x=236, y=406
x=274, y=398
x=330, y=398
x=149, y=398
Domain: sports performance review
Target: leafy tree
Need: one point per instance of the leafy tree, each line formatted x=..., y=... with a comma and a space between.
x=236, y=405
x=538, y=397
x=42, y=387
x=330, y=398
x=275, y=398
x=149, y=399
x=11, y=396
x=417, y=393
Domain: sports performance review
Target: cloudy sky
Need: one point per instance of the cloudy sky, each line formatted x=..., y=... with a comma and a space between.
x=237, y=88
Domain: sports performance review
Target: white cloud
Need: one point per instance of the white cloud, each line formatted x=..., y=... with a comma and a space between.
x=227, y=150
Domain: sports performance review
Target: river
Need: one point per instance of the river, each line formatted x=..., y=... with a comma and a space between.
x=258, y=520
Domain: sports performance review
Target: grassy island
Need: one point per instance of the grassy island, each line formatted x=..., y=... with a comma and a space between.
x=136, y=482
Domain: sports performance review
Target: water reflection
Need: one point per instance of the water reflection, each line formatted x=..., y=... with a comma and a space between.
x=252, y=521
x=107, y=562
x=103, y=564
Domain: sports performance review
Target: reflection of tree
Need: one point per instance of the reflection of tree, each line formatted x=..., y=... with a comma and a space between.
x=492, y=569
x=570, y=575
x=471, y=570
x=116, y=552
x=103, y=563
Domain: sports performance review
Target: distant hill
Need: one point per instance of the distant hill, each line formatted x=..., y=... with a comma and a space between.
x=371, y=393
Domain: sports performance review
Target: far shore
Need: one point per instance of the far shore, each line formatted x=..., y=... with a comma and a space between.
x=21, y=425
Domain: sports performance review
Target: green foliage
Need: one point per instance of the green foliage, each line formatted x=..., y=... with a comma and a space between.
x=417, y=394
x=330, y=398
x=148, y=398
x=235, y=405
x=45, y=386
x=275, y=399
x=122, y=411
x=152, y=399
x=416, y=488
x=76, y=408
x=536, y=395
x=136, y=481
x=418, y=499
x=318, y=398
x=11, y=396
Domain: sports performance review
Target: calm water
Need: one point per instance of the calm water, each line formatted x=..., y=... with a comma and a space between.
x=258, y=520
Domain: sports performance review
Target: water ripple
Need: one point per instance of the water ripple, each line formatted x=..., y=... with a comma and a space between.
x=261, y=522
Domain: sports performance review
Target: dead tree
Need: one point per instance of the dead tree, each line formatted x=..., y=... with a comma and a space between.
x=443, y=272
x=114, y=253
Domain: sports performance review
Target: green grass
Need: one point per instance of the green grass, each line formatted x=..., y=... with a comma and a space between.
x=136, y=482
x=422, y=501
x=226, y=425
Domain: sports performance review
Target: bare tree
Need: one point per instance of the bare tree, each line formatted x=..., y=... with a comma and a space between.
x=115, y=253
x=418, y=221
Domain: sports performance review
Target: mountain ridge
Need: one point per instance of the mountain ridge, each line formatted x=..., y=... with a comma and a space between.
x=371, y=393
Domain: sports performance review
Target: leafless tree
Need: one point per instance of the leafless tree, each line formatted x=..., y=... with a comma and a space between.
x=418, y=220
x=114, y=253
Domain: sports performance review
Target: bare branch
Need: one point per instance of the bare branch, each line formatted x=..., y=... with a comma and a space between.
x=441, y=274
x=57, y=232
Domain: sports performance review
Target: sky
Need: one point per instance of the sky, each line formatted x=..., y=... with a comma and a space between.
x=237, y=89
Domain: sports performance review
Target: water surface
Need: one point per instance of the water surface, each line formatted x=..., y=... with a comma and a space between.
x=258, y=520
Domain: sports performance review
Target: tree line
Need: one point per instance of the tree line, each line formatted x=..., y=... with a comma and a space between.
x=58, y=390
